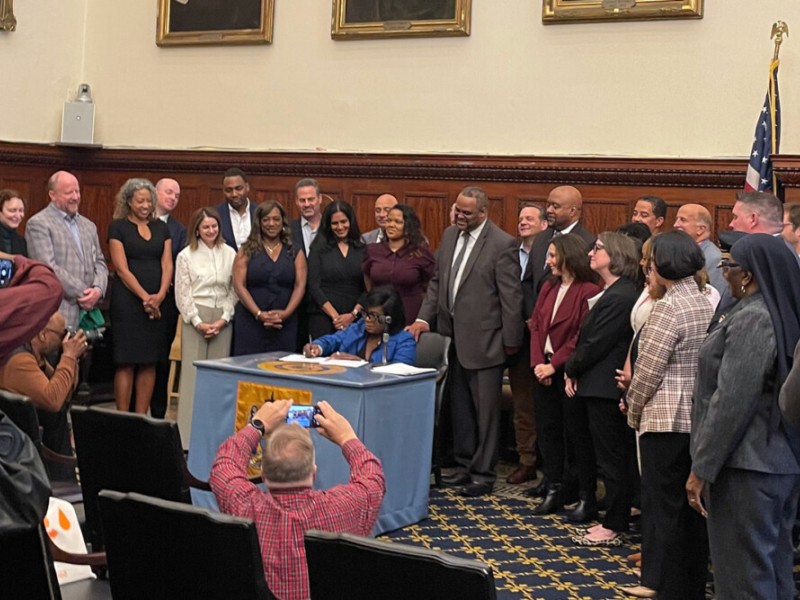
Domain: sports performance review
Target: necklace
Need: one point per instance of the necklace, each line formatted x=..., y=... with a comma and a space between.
x=272, y=250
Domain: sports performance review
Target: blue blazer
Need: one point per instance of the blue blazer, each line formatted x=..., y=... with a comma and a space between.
x=402, y=347
x=225, y=221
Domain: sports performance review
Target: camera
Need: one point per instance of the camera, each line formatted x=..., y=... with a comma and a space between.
x=303, y=415
x=92, y=335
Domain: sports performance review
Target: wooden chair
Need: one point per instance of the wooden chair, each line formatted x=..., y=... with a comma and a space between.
x=174, y=378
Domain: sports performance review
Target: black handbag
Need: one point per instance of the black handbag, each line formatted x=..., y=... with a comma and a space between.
x=24, y=485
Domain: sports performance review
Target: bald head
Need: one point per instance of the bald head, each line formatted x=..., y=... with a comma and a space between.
x=168, y=193
x=383, y=204
x=564, y=205
x=695, y=220
x=64, y=192
x=48, y=340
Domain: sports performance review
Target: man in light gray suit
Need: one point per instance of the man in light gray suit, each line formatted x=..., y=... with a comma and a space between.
x=475, y=297
x=60, y=237
x=383, y=204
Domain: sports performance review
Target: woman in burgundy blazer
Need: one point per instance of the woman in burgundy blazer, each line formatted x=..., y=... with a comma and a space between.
x=555, y=323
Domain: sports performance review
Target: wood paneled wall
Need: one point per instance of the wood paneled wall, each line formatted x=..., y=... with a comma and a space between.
x=429, y=183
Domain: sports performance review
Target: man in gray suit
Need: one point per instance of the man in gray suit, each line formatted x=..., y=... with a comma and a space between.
x=383, y=204
x=60, y=237
x=475, y=297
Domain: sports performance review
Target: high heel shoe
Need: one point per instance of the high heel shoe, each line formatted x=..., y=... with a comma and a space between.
x=552, y=502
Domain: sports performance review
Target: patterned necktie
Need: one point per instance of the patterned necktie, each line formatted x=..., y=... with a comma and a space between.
x=457, y=266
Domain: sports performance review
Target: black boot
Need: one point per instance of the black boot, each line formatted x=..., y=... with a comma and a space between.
x=540, y=491
x=552, y=502
x=585, y=511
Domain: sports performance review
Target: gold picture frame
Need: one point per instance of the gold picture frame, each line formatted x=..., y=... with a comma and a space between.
x=364, y=19
x=8, y=22
x=214, y=22
x=582, y=11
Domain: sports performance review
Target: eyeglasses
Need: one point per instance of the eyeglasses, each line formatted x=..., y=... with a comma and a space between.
x=597, y=247
x=373, y=316
x=727, y=263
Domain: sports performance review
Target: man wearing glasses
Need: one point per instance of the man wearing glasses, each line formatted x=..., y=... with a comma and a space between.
x=29, y=372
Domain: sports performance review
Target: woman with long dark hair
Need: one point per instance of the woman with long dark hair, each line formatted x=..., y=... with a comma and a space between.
x=402, y=260
x=554, y=325
x=335, y=281
x=269, y=276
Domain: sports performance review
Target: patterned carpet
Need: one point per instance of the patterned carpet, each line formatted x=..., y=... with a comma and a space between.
x=532, y=557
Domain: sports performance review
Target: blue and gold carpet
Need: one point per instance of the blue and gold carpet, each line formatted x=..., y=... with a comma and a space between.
x=532, y=557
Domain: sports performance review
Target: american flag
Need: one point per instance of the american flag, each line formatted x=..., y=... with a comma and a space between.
x=767, y=139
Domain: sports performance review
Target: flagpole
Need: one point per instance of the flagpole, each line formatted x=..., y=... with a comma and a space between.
x=779, y=30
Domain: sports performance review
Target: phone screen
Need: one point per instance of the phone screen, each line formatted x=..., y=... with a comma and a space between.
x=6, y=272
x=303, y=416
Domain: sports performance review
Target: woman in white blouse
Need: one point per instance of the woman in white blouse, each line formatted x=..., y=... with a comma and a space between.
x=204, y=295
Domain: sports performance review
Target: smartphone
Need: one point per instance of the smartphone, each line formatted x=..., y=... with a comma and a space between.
x=6, y=272
x=303, y=415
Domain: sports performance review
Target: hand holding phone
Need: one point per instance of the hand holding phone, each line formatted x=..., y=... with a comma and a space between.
x=305, y=416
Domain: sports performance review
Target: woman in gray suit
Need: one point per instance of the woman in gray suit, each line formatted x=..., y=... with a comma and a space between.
x=745, y=472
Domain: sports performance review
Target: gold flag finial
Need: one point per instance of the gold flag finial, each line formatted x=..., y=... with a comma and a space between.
x=779, y=29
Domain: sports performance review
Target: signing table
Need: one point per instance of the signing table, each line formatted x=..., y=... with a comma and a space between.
x=393, y=415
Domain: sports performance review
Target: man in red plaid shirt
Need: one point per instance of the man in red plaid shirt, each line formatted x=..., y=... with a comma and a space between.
x=291, y=507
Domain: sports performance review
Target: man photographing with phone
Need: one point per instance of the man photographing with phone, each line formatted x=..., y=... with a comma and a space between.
x=290, y=506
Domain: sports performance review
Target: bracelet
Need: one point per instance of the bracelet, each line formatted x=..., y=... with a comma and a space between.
x=356, y=313
x=258, y=314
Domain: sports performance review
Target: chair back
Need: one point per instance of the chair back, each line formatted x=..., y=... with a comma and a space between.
x=348, y=566
x=162, y=549
x=128, y=453
x=21, y=411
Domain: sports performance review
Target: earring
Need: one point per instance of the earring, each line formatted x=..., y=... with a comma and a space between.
x=744, y=290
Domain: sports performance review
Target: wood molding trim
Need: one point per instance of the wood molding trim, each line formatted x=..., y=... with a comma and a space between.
x=685, y=173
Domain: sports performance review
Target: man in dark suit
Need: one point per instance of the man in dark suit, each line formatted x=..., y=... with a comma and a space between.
x=236, y=213
x=564, y=207
x=168, y=193
x=308, y=197
x=532, y=221
x=475, y=297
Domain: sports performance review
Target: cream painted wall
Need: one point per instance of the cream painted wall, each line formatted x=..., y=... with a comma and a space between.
x=661, y=89
x=40, y=68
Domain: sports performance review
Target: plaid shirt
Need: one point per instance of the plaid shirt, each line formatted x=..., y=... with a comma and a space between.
x=283, y=516
x=660, y=395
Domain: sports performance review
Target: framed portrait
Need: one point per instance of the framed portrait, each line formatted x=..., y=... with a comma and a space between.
x=207, y=22
x=359, y=19
x=582, y=11
x=7, y=20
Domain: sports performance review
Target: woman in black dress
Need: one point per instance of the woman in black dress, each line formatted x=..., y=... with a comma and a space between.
x=12, y=211
x=335, y=278
x=141, y=251
x=269, y=276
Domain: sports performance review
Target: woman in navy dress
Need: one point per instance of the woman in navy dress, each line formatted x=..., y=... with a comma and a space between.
x=269, y=276
x=141, y=251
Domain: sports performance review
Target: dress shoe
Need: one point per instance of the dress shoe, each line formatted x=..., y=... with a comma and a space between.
x=585, y=511
x=638, y=591
x=474, y=489
x=552, y=502
x=540, y=491
x=455, y=479
x=522, y=474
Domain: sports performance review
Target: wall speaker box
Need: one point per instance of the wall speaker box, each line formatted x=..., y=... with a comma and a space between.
x=77, y=125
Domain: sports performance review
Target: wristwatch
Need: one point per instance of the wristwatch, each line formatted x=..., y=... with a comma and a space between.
x=259, y=424
x=356, y=313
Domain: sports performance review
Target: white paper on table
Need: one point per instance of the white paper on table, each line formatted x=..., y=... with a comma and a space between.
x=299, y=358
x=401, y=369
x=341, y=362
